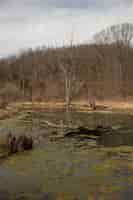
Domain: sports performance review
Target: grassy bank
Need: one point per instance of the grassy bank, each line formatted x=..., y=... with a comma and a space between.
x=81, y=105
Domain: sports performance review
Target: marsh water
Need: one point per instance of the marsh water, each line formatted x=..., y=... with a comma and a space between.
x=69, y=168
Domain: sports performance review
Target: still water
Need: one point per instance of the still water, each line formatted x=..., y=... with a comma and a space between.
x=69, y=168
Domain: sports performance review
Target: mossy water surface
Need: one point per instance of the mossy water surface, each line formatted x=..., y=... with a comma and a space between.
x=69, y=168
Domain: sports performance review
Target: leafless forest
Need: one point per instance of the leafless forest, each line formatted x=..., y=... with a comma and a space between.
x=97, y=71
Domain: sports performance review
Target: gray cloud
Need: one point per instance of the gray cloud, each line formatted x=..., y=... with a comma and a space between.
x=75, y=4
x=29, y=23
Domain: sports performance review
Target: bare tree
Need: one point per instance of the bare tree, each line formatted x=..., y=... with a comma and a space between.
x=120, y=36
x=120, y=33
x=69, y=66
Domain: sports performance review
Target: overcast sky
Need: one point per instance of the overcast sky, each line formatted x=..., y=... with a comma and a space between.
x=32, y=23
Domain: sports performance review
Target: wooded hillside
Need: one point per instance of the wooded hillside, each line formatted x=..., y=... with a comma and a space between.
x=102, y=70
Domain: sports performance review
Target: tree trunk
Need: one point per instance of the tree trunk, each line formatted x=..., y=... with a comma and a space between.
x=67, y=92
x=68, y=100
x=91, y=100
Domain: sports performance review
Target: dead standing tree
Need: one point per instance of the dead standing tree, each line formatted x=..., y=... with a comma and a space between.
x=67, y=62
x=72, y=84
x=92, y=79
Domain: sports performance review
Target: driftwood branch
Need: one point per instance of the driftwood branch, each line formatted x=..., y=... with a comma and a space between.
x=61, y=125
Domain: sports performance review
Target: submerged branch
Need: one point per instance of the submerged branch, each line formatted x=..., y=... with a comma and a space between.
x=61, y=125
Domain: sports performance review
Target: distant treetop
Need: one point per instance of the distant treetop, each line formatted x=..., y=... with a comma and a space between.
x=122, y=33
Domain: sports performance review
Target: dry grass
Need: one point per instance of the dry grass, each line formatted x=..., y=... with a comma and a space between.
x=78, y=105
x=82, y=106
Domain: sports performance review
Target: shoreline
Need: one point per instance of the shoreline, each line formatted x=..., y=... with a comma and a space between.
x=79, y=106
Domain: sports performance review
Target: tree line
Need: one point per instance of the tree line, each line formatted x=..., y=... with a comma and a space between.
x=100, y=70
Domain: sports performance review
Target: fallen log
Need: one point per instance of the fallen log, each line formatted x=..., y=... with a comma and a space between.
x=82, y=131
